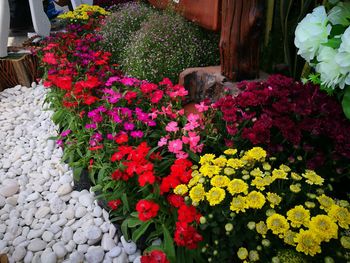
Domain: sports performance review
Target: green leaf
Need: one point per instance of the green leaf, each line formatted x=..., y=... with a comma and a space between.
x=101, y=174
x=151, y=248
x=346, y=102
x=125, y=202
x=134, y=222
x=124, y=229
x=141, y=230
x=169, y=245
x=333, y=43
x=194, y=156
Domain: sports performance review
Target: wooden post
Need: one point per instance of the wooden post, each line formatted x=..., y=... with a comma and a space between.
x=241, y=31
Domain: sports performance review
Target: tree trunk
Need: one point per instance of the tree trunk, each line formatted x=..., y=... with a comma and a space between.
x=241, y=30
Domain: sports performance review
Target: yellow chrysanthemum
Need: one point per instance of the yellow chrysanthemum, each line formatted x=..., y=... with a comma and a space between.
x=345, y=242
x=254, y=256
x=237, y=186
x=261, y=182
x=181, y=189
x=285, y=168
x=312, y=177
x=256, y=172
x=255, y=200
x=215, y=196
x=207, y=158
x=219, y=181
x=341, y=215
x=325, y=202
x=266, y=166
x=221, y=161
x=195, y=180
x=230, y=151
x=307, y=242
x=235, y=163
x=309, y=204
x=295, y=176
x=261, y=228
x=209, y=170
x=242, y=253
x=289, y=237
x=238, y=204
x=274, y=199
x=197, y=193
x=324, y=227
x=255, y=154
x=295, y=188
x=279, y=174
x=298, y=216
x=229, y=171
x=278, y=224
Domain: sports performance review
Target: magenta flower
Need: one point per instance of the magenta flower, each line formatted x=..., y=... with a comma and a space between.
x=111, y=80
x=172, y=127
x=136, y=134
x=91, y=126
x=175, y=146
x=65, y=133
x=110, y=136
x=59, y=143
x=129, y=126
x=128, y=81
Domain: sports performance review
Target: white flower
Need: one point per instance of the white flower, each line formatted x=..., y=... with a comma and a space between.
x=343, y=56
x=311, y=32
x=340, y=14
x=329, y=69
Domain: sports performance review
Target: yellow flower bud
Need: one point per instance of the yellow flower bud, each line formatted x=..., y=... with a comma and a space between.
x=228, y=227
x=251, y=225
x=242, y=253
x=202, y=220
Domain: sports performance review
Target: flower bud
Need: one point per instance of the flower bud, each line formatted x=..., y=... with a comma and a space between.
x=242, y=253
x=251, y=225
x=215, y=252
x=210, y=216
x=328, y=260
x=265, y=242
x=202, y=220
x=228, y=227
x=216, y=242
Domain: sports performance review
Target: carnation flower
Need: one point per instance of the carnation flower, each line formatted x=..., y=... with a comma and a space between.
x=146, y=209
x=156, y=256
x=311, y=32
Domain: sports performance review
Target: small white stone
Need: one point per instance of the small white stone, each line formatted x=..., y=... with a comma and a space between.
x=64, y=189
x=2, y=201
x=18, y=240
x=122, y=258
x=10, y=188
x=66, y=179
x=80, y=212
x=42, y=212
x=94, y=254
x=115, y=252
x=59, y=250
x=86, y=200
x=48, y=257
x=93, y=233
x=67, y=234
x=83, y=248
x=129, y=247
x=76, y=257
x=47, y=236
x=19, y=253
x=97, y=211
x=107, y=242
x=79, y=236
x=69, y=213
x=137, y=259
x=105, y=227
x=28, y=258
x=57, y=205
x=98, y=221
x=36, y=245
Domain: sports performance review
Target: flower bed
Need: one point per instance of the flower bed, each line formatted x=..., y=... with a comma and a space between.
x=158, y=170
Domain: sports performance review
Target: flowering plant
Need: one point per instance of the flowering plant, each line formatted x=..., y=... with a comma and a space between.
x=295, y=122
x=250, y=204
x=84, y=12
x=323, y=41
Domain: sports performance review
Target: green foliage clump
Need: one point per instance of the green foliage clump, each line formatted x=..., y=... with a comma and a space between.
x=167, y=44
x=121, y=25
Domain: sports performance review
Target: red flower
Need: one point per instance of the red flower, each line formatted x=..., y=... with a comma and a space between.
x=118, y=174
x=156, y=256
x=147, y=209
x=121, y=138
x=95, y=148
x=176, y=200
x=49, y=58
x=64, y=83
x=114, y=204
x=157, y=96
x=188, y=214
x=186, y=236
x=147, y=177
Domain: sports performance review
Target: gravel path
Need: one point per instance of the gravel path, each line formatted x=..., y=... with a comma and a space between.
x=41, y=218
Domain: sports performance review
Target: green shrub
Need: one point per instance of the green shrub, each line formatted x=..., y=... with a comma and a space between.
x=120, y=25
x=165, y=45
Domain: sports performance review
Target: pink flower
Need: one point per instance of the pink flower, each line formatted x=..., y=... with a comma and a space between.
x=172, y=127
x=157, y=96
x=128, y=81
x=201, y=107
x=192, y=140
x=129, y=126
x=193, y=117
x=182, y=155
x=163, y=141
x=136, y=134
x=190, y=126
x=175, y=146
